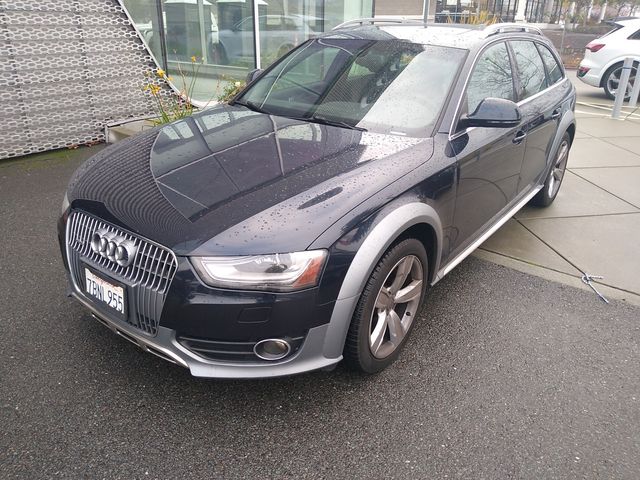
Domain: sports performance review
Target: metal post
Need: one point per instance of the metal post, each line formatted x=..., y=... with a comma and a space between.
x=163, y=36
x=203, y=33
x=256, y=33
x=635, y=91
x=425, y=11
x=621, y=91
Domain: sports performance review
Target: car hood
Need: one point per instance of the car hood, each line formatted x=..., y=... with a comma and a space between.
x=230, y=181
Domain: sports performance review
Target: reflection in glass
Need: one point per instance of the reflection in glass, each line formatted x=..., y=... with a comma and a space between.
x=220, y=34
x=532, y=74
x=200, y=30
x=491, y=77
x=553, y=69
x=286, y=24
x=359, y=84
x=144, y=13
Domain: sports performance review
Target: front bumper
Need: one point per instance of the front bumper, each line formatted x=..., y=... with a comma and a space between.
x=309, y=356
x=210, y=331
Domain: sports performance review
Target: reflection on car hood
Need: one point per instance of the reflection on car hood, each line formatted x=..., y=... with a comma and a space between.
x=234, y=181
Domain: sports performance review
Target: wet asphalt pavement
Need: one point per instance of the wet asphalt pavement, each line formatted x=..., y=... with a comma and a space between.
x=505, y=376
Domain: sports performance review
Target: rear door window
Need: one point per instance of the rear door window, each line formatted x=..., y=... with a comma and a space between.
x=554, y=71
x=531, y=71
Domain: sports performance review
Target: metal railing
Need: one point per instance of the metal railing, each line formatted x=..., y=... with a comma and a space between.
x=498, y=28
x=380, y=21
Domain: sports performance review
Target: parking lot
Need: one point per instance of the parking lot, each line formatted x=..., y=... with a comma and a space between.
x=507, y=375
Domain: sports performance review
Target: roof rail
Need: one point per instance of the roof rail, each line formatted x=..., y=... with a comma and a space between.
x=380, y=21
x=497, y=28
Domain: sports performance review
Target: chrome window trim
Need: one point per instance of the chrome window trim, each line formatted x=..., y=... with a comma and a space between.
x=452, y=133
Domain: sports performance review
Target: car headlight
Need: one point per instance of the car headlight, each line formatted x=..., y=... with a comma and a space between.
x=65, y=203
x=282, y=272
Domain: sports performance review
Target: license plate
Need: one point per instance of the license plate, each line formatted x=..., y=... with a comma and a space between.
x=106, y=292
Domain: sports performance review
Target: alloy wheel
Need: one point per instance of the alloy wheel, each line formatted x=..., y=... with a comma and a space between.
x=613, y=81
x=396, y=306
x=558, y=169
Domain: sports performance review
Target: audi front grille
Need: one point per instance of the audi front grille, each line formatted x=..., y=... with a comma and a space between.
x=148, y=276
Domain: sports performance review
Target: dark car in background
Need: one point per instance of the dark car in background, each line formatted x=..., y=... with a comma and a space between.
x=303, y=222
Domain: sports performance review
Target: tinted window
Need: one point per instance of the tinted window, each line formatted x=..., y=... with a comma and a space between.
x=614, y=29
x=635, y=36
x=553, y=69
x=491, y=77
x=530, y=67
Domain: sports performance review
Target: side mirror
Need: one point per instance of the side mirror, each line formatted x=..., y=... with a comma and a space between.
x=493, y=113
x=253, y=74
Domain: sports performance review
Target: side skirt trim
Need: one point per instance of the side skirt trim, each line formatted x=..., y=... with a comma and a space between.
x=467, y=251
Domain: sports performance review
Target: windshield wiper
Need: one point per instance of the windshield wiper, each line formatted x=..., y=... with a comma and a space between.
x=251, y=106
x=334, y=123
x=314, y=118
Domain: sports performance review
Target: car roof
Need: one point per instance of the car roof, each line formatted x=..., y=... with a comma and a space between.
x=626, y=22
x=449, y=35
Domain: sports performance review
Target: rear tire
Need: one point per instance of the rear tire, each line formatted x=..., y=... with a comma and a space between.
x=611, y=78
x=547, y=195
x=387, y=308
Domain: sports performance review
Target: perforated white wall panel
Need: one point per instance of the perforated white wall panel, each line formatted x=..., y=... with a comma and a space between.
x=67, y=67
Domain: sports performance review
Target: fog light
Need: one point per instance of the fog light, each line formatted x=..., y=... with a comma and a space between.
x=272, y=349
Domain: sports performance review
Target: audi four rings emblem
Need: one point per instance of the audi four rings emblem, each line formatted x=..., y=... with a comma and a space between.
x=113, y=247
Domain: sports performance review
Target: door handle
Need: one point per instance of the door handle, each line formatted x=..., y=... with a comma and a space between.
x=520, y=136
x=555, y=114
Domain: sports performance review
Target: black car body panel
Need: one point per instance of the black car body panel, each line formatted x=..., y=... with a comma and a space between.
x=231, y=181
x=232, y=178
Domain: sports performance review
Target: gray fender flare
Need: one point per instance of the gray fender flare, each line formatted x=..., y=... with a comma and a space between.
x=375, y=244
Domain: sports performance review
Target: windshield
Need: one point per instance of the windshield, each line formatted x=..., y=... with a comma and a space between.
x=385, y=86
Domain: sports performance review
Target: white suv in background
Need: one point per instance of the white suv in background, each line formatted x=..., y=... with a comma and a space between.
x=604, y=56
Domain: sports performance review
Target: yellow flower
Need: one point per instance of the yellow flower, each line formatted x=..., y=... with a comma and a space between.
x=160, y=73
x=194, y=59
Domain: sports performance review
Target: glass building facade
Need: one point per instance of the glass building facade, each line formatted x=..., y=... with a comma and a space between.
x=228, y=38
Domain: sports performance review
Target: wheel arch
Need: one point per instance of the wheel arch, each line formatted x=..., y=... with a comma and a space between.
x=618, y=61
x=571, y=130
x=415, y=219
x=567, y=125
x=426, y=234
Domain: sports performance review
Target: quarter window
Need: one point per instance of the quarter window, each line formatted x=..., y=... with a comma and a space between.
x=491, y=77
x=530, y=68
x=554, y=71
x=635, y=36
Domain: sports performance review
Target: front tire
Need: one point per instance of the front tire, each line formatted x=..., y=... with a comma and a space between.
x=547, y=195
x=387, y=308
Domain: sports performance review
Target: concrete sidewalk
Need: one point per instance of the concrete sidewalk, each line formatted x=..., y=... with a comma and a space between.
x=594, y=224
